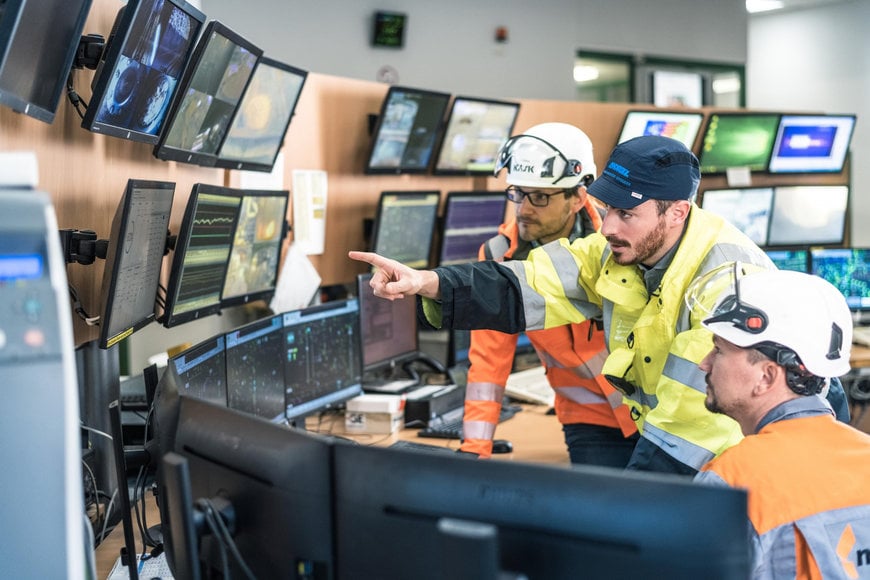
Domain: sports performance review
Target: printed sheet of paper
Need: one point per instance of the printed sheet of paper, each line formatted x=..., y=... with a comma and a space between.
x=309, y=210
x=298, y=281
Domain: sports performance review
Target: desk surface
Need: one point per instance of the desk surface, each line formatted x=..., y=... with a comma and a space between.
x=536, y=437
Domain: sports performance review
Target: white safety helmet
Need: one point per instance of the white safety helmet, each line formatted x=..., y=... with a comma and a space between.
x=785, y=313
x=548, y=155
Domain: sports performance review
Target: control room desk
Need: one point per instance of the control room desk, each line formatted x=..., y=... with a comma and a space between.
x=536, y=437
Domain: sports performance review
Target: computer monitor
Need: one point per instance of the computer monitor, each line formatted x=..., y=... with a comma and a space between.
x=388, y=329
x=252, y=271
x=322, y=357
x=209, y=93
x=747, y=209
x=811, y=143
x=202, y=371
x=792, y=223
x=404, y=226
x=202, y=252
x=737, y=140
x=256, y=134
x=134, y=256
x=406, y=131
x=470, y=219
x=275, y=481
x=549, y=522
x=682, y=126
x=846, y=268
x=38, y=44
x=255, y=369
x=475, y=132
x=145, y=56
x=797, y=259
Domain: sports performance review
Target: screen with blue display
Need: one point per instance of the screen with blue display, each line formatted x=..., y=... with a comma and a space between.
x=812, y=143
x=202, y=371
x=255, y=369
x=796, y=259
x=846, y=268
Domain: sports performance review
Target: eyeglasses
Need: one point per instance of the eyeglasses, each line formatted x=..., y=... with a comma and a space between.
x=536, y=198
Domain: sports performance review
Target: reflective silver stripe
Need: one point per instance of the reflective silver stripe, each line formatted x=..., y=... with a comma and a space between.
x=678, y=448
x=774, y=553
x=478, y=430
x=830, y=532
x=615, y=399
x=484, y=392
x=496, y=248
x=534, y=306
x=686, y=372
x=567, y=270
x=592, y=367
x=642, y=398
x=581, y=395
x=607, y=318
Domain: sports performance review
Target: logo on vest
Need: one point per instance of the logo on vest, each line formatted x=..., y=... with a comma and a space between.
x=845, y=546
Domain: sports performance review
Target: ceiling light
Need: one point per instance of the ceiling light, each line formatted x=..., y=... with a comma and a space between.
x=754, y=6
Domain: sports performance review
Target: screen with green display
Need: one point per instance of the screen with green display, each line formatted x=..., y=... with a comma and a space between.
x=738, y=140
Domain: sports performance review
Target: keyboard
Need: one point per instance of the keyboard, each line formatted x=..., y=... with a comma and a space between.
x=421, y=447
x=452, y=428
x=531, y=386
x=393, y=387
x=861, y=335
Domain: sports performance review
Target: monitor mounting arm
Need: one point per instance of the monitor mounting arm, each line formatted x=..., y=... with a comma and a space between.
x=82, y=246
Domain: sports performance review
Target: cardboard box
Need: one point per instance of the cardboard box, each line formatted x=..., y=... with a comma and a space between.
x=374, y=413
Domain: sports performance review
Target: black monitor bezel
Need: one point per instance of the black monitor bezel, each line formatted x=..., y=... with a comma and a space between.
x=370, y=169
x=264, y=294
x=682, y=114
x=9, y=29
x=376, y=227
x=248, y=165
x=110, y=270
x=436, y=158
x=762, y=167
x=167, y=318
x=111, y=60
x=842, y=162
x=442, y=224
x=169, y=153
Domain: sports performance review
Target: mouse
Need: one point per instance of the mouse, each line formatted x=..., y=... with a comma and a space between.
x=502, y=446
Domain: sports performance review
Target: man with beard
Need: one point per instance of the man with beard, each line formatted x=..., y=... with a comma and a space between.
x=778, y=336
x=654, y=241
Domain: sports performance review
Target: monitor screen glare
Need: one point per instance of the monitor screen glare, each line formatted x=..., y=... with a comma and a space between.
x=812, y=144
x=747, y=209
x=792, y=223
x=476, y=130
x=683, y=127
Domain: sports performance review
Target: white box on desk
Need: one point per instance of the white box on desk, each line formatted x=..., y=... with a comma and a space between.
x=375, y=413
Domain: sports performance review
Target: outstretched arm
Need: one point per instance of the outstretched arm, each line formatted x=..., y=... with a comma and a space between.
x=394, y=280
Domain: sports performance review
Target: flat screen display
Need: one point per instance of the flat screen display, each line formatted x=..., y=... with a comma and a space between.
x=38, y=43
x=796, y=259
x=255, y=369
x=405, y=226
x=202, y=371
x=210, y=91
x=846, y=268
x=812, y=143
x=133, y=259
x=202, y=252
x=144, y=60
x=257, y=132
x=470, y=219
x=476, y=130
x=747, y=209
x=808, y=215
x=406, y=131
x=388, y=328
x=252, y=271
x=683, y=127
x=737, y=140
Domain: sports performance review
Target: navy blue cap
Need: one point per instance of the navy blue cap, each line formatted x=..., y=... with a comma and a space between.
x=644, y=168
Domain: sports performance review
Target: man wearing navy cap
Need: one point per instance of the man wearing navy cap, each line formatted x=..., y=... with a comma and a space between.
x=654, y=241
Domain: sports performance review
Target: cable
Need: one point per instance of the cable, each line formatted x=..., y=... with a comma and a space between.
x=97, y=431
x=95, y=489
x=224, y=536
x=106, y=520
x=79, y=309
x=74, y=97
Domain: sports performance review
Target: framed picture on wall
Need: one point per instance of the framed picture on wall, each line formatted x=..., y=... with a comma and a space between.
x=677, y=89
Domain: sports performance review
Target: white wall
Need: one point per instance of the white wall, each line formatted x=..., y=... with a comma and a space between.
x=818, y=60
x=450, y=44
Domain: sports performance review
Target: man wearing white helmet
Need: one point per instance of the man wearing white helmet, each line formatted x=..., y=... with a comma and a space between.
x=597, y=426
x=779, y=336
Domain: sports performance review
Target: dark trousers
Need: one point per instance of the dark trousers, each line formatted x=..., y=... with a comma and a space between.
x=598, y=445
